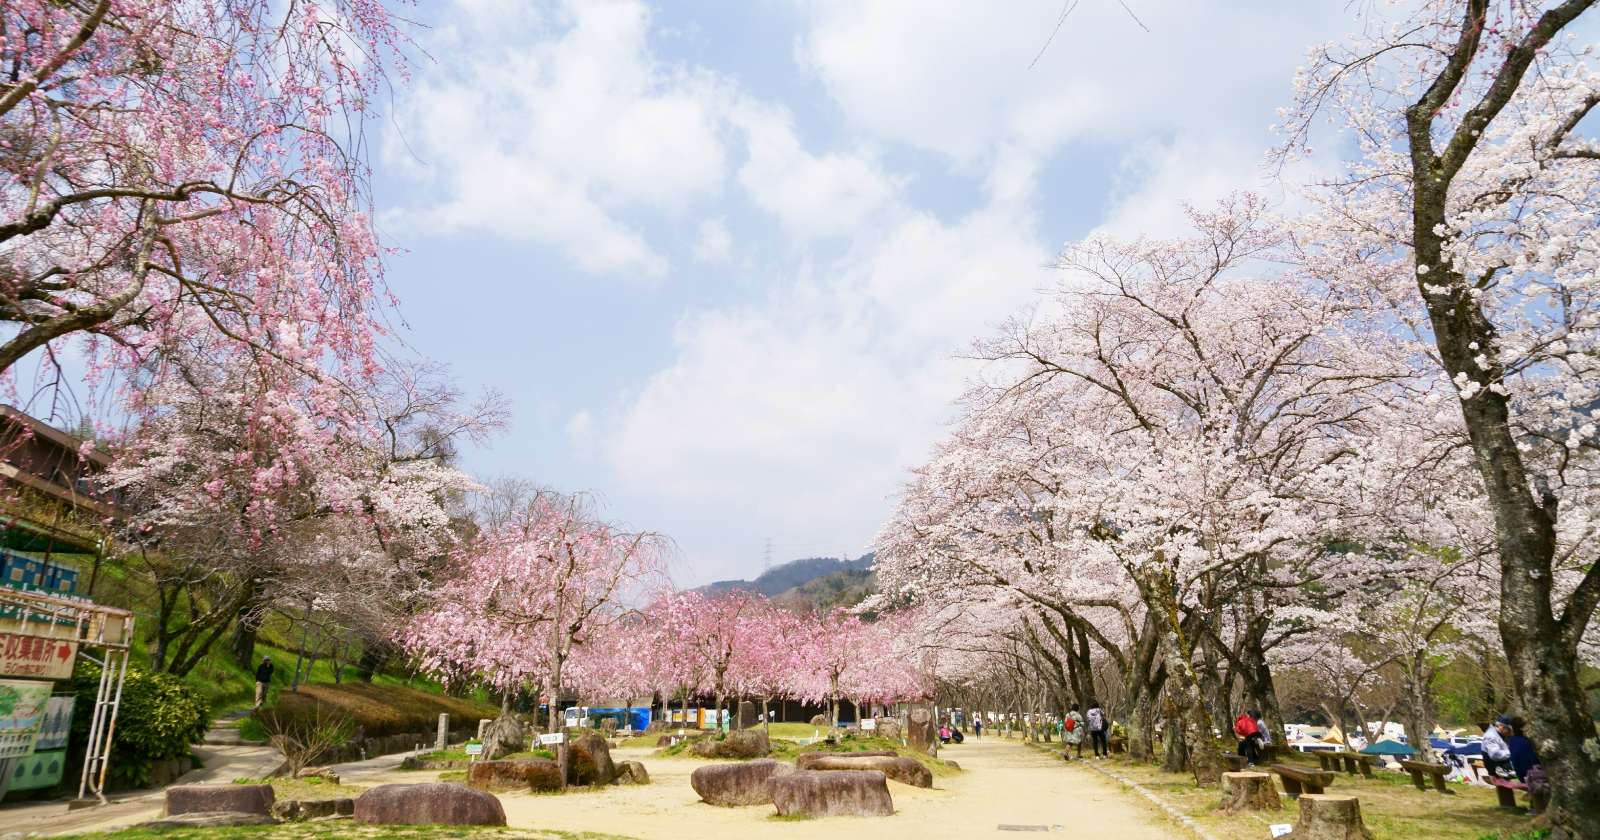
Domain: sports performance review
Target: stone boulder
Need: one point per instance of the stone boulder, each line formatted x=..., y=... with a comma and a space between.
x=503, y=736
x=921, y=731
x=819, y=720
x=832, y=793
x=747, y=716
x=749, y=743
x=326, y=774
x=535, y=774
x=632, y=773
x=294, y=810
x=209, y=819
x=887, y=727
x=241, y=799
x=907, y=771
x=589, y=761
x=436, y=803
x=737, y=784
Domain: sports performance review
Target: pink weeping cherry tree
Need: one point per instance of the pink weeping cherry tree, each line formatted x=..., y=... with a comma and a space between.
x=517, y=602
x=172, y=170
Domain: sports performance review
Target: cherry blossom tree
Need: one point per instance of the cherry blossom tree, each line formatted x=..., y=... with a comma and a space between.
x=518, y=600
x=1472, y=215
x=179, y=169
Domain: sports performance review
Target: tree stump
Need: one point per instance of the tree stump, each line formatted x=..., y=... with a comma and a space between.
x=1249, y=792
x=1325, y=816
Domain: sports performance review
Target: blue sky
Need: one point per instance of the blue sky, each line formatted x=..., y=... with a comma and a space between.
x=722, y=256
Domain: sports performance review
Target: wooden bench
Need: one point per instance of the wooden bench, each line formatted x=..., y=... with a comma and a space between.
x=1297, y=781
x=1233, y=761
x=1506, y=791
x=1418, y=768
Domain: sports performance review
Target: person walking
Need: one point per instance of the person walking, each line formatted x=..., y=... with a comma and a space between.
x=1072, y=731
x=977, y=726
x=263, y=677
x=1099, y=726
x=1496, y=752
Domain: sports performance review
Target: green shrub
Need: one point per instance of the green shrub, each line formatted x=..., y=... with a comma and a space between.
x=159, y=718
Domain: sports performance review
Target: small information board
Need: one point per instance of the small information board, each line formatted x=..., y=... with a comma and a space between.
x=868, y=724
x=553, y=738
x=474, y=750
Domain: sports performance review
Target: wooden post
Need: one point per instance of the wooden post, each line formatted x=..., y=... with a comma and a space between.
x=1249, y=792
x=1326, y=816
x=442, y=740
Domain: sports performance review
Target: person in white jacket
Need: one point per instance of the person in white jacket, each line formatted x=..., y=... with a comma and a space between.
x=1496, y=753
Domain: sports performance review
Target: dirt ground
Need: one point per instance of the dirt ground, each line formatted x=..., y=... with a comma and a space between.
x=1003, y=784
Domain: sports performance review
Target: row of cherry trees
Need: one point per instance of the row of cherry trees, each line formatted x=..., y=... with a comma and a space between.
x=1360, y=439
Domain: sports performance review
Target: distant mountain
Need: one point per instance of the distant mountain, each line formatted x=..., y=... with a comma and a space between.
x=844, y=588
x=795, y=574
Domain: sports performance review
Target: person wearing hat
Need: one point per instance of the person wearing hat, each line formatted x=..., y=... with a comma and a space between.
x=1496, y=752
x=263, y=677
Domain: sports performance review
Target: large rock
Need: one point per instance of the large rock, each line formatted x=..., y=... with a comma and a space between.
x=589, y=761
x=737, y=784
x=922, y=733
x=747, y=716
x=503, y=736
x=535, y=774
x=326, y=774
x=907, y=771
x=242, y=799
x=749, y=743
x=428, y=804
x=209, y=819
x=819, y=720
x=832, y=793
x=887, y=727
x=632, y=773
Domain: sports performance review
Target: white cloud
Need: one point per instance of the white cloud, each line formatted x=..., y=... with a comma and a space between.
x=955, y=77
x=813, y=195
x=552, y=129
x=798, y=416
x=715, y=243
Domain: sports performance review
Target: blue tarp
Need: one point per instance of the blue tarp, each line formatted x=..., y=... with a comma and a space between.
x=1466, y=749
x=1387, y=748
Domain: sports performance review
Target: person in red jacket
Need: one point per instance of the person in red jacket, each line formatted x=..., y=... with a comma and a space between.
x=1249, y=733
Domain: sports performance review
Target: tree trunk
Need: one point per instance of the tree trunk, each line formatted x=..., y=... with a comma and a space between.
x=1325, y=816
x=1541, y=646
x=1249, y=792
x=242, y=644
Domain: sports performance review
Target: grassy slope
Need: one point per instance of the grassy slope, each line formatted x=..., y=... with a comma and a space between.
x=381, y=709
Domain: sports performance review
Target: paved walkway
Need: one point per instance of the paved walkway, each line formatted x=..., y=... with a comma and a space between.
x=219, y=764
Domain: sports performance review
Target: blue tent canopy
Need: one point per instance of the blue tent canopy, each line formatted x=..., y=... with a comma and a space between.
x=1387, y=748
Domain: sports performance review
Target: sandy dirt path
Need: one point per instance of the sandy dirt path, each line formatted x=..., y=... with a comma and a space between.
x=1004, y=783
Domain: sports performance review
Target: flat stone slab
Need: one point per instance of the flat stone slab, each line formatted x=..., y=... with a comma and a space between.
x=832, y=793
x=437, y=803
x=245, y=799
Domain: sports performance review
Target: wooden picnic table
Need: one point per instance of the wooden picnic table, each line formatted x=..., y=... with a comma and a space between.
x=1353, y=762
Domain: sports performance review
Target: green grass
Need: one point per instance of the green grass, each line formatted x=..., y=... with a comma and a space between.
x=346, y=829
x=305, y=789
x=794, y=731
